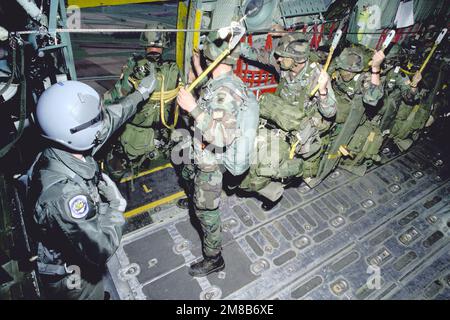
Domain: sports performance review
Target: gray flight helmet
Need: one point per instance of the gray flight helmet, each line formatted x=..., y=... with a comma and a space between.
x=70, y=113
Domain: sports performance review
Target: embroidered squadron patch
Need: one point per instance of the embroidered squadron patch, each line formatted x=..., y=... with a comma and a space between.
x=79, y=206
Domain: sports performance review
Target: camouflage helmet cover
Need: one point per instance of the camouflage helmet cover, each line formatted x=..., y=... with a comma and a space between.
x=351, y=59
x=154, y=38
x=293, y=46
x=213, y=46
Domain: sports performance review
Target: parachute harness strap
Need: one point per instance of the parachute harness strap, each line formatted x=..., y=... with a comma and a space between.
x=409, y=73
x=342, y=151
x=23, y=97
x=13, y=72
x=292, y=150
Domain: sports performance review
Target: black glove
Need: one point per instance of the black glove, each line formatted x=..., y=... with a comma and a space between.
x=148, y=84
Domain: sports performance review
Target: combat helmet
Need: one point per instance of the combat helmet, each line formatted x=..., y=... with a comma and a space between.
x=214, y=46
x=351, y=59
x=293, y=46
x=154, y=38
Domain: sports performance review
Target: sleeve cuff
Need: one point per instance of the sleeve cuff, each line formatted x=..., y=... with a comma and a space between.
x=196, y=112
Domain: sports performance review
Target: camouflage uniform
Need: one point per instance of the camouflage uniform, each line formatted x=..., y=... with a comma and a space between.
x=144, y=136
x=353, y=60
x=74, y=224
x=358, y=100
x=293, y=117
x=399, y=116
x=273, y=167
x=215, y=126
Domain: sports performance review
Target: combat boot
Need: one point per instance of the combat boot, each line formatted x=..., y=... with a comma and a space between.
x=207, y=266
x=183, y=203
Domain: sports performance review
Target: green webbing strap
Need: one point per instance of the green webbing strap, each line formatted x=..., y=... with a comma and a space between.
x=363, y=152
x=13, y=73
x=407, y=124
x=23, y=100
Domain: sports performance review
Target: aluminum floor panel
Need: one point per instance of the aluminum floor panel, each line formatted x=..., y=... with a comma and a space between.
x=381, y=236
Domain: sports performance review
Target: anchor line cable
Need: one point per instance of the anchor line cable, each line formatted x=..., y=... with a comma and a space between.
x=64, y=30
x=109, y=30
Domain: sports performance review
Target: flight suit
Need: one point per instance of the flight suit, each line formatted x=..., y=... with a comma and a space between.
x=215, y=128
x=144, y=136
x=77, y=214
x=296, y=118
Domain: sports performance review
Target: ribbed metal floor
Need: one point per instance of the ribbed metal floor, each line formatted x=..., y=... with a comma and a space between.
x=381, y=236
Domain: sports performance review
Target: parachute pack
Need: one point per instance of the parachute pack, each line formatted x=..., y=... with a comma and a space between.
x=240, y=153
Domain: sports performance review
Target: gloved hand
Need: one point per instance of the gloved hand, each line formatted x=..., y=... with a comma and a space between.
x=148, y=84
x=108, y=189
x=42, y=18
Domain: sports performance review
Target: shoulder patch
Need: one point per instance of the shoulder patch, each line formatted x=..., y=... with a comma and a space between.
x=79, y=206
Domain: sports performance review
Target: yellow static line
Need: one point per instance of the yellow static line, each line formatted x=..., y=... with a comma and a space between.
x=165, y=166
x=197, y=25
x=154, y=204
x=99, y=3
x=181, y=36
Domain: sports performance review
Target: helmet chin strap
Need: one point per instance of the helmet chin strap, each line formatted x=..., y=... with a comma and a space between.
x=98, y=139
